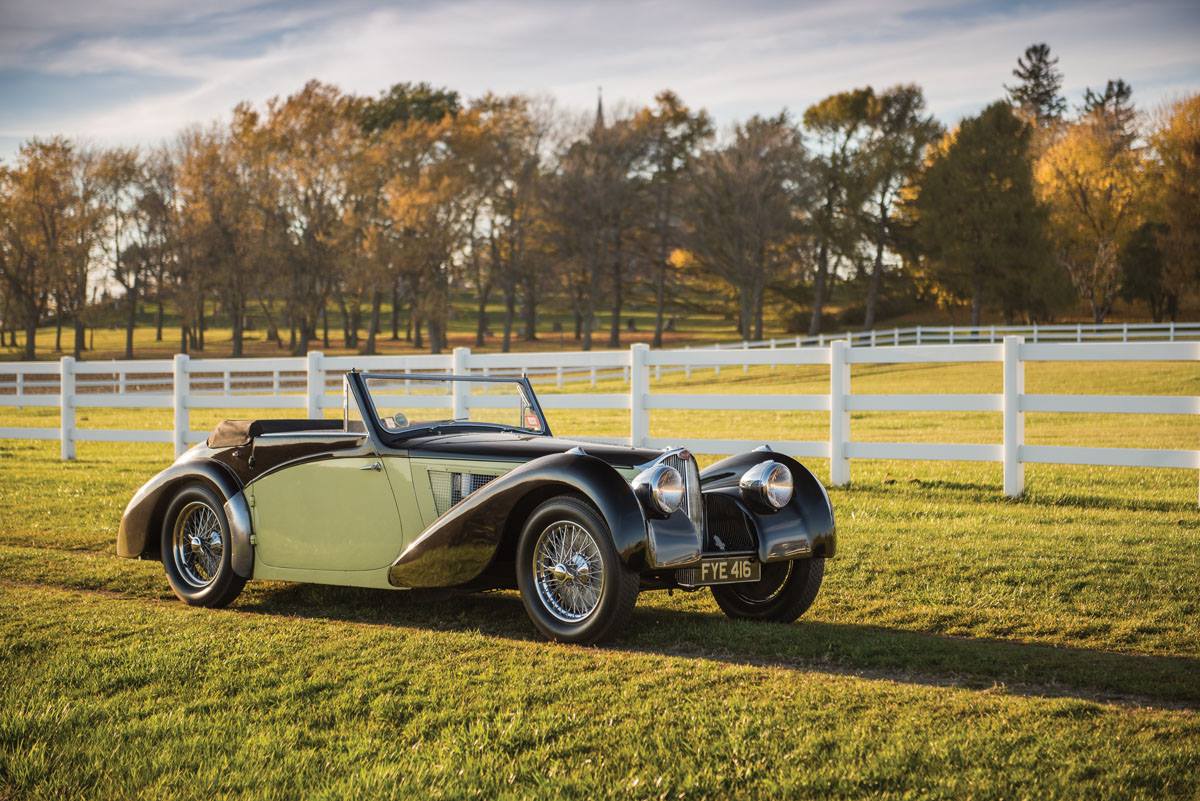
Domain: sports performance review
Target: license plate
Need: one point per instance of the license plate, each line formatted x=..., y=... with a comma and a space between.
x=721, y=570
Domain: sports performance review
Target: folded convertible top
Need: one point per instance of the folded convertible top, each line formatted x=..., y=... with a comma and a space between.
x=230, y=433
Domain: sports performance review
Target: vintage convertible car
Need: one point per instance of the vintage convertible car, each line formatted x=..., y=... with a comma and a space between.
x=380, y=499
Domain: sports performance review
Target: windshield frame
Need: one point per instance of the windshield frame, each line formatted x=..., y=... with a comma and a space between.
x=371, y=415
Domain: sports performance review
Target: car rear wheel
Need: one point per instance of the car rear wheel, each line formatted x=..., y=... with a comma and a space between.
x=784, y=593
x=573, y=584
x=196, y=549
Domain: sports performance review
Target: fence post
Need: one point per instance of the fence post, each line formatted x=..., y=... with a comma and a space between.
x=745, y=367
x=1124, y=332
x=639, y=385
x=20, y=385
x=460, y=391
x=66, y=408
x=1014, y=418
x=839, y=418
x=316, y=384
x=179, y=400
x=918, y=335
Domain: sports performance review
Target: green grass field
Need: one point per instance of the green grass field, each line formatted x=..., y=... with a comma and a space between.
x=963, y=645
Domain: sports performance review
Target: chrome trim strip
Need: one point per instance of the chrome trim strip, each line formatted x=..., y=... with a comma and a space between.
x=241, y=551
x=313, y=435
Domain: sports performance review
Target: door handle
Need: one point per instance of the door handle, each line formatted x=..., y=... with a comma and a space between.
x=376, y=466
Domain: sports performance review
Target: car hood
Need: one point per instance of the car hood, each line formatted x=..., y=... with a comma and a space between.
x=521, y=448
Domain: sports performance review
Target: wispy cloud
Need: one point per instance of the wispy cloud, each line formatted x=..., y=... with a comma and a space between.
x=117, y=72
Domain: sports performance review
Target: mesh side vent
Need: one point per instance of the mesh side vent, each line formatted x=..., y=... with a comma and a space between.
x=450, y=488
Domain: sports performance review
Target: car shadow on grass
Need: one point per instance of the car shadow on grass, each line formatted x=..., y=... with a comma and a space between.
x=810, y=645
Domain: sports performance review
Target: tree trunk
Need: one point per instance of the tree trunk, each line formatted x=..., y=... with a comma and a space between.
x=814, y=324
x=80, y=337
x=481, y=321
x=31, y=321
x=130, y=320
x=510, y=315
x=614, y=329
x=876, y=281
x=183, y=337
x=976, y=301
x=529, y=311
x=158, y=323
x=373, y=331
x=324, y=327
x=238, y=319
x=199, y=341
x=395, y=311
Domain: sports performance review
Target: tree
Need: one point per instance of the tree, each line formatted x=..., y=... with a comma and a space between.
x=1176, y=180
x=977, y=221
x=1113, y=108
x=1142, y=273
x=899, y=132
x=743, y=210
x=1038, y=96
x=1092, y=181
x=838, y=124
x=119, y=184
x=674, y=136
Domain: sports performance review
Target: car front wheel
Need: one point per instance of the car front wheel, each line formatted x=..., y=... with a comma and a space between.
x=196, y=549
x=573, y=584
x=784, y=593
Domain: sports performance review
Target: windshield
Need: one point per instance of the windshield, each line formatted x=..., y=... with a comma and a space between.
x=403, y=403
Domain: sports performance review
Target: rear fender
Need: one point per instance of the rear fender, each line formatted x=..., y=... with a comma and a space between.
x=142, y=521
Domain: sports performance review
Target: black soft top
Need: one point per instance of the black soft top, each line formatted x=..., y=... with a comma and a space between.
x=231, y=433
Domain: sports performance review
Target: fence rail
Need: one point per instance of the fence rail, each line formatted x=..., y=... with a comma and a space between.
x=312, y=384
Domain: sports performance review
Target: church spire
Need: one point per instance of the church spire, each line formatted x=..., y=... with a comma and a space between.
x=599, y=124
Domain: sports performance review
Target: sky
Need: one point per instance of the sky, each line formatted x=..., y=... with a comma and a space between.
x=128, y=72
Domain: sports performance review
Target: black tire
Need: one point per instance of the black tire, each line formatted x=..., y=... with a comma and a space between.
x=207, y=579
x=785, y=592
x=619, y=585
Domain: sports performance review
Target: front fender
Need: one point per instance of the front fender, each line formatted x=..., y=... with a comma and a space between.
x=142, y=520
x=461, y=544
x=805, y=527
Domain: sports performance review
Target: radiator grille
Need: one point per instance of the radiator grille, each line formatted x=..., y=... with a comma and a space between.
x=449, y=488
x=728, y=527
x=693, y=502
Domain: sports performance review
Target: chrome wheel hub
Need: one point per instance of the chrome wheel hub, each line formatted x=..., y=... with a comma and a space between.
x=196, y=544
x=568, y=571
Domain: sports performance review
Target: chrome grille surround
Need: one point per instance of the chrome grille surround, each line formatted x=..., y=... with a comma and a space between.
x=693, y=502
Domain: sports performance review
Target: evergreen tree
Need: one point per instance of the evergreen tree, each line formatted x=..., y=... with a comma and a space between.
x=977, y=220
x=1038, y=96
x=1113, y=108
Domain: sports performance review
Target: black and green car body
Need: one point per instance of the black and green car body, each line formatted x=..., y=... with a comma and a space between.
x=375, y=500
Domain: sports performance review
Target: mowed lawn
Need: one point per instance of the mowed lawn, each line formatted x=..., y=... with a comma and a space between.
x=963, y=645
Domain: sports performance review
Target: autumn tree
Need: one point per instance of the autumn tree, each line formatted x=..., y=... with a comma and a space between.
x=1092, y=180
x=1176, y=184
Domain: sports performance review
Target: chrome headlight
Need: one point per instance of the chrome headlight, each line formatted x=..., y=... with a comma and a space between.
x=767, y=483
x=660, y=487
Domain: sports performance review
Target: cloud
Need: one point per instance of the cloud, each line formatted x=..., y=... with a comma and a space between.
x=120, y=73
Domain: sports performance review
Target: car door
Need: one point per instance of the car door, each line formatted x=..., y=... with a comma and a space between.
x=330, y=514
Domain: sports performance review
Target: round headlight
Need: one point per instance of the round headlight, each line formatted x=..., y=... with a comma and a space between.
x=661, y=486
x=768, y=483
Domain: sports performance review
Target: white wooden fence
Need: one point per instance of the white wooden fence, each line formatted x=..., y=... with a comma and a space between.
x=312, y=384
x=992, y=334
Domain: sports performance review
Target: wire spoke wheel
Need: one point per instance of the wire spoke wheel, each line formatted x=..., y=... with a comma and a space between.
x=197, y=544
x=568, y=571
